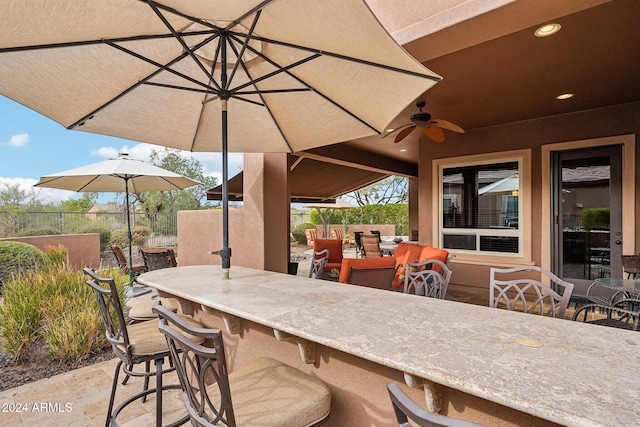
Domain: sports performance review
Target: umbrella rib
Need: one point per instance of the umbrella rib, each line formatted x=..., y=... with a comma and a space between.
x=344, y=57
x=260, y=94
x=161, y=67
x=166, y=67
x=97, y=41
x=286, y=70
x=244, y=45
x=184, y=45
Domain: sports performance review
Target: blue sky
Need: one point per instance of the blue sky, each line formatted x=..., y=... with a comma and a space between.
x=32, y=145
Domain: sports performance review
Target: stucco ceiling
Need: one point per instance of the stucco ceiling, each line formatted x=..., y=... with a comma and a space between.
x=496, y=71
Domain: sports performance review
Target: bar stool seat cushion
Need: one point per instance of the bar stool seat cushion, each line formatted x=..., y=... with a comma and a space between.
x=143, y=310
x=146, y=340
x=294, y=397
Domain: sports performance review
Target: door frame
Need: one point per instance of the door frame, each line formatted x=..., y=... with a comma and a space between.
x=628, y=143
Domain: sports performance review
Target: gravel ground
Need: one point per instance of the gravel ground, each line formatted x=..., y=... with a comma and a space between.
x=37, y=366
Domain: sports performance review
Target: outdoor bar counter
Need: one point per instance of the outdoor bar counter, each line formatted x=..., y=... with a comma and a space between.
x=475, y=362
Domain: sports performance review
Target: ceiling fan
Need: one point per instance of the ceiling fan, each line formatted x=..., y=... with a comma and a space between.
x=432, y=128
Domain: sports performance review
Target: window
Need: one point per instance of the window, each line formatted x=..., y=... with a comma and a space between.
x=480, y=207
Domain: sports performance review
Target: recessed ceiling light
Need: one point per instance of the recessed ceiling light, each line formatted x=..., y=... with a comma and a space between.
x=565, y=96
x=547, y=30
x=403, y=149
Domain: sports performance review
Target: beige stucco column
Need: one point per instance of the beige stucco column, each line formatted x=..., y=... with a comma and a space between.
x=414, y=206
x=258, y=231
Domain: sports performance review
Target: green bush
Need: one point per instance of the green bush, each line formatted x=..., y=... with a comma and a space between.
x=53, y=306
x=139, y=235
x=30, y=232
x=17, y=257
x=595, y=218
x=105, y=235
x=298, y=232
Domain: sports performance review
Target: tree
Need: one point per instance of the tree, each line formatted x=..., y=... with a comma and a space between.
x=79, y=205
x=173, y=201
x=393, y=189
x=13, y=197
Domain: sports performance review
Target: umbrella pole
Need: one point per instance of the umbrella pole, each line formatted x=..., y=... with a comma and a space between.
x=129, y=236
x=133, y=291
x=225, y=252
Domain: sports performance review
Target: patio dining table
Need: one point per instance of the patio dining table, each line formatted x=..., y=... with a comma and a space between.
x=464, y=355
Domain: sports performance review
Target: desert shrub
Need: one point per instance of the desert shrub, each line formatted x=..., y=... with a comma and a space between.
x=298, y=232
x=57, y=253
x=18, y=257
x=53, y=305
x=105, y=236
x=139, y=235
x=30, y=232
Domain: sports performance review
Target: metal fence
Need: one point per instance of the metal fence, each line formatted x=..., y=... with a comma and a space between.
x=164, y=226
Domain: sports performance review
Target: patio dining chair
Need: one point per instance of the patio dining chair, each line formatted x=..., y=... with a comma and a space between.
x=318, y=263
x=371, y=246
x=158, y=258
x=123, y=262
x=622, y=314
x=133, y=345
x=429, y=278
x=359, y=248
x=406, y=409
x=514, y=293
x=264, y=392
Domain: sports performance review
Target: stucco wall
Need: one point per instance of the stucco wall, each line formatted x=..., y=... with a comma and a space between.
x=258, y=232
x=531, y=134
x=84, y=249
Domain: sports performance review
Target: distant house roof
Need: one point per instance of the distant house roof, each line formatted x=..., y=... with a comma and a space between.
x=111, y=207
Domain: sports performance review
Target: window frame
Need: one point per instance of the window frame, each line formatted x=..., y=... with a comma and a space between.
x=523, y=159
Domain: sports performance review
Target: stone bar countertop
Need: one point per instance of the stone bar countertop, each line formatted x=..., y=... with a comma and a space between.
x=581, y=375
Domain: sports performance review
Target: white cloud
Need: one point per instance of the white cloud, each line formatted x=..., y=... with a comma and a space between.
x=211, y=162
x=44, y=194
x=19, y=140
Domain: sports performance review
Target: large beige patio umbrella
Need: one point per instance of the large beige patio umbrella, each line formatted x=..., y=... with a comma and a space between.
x=120, y=175
x=201, y=75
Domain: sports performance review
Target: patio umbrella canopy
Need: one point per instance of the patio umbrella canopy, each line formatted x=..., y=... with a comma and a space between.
x=229, y=75
x=121, y=175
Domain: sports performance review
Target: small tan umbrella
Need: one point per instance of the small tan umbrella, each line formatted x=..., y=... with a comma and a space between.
x=326, y=210
x=226, y=75
x=121, y=175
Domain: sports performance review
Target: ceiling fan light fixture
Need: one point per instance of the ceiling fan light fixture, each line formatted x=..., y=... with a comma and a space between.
x=547, y=30
x=565, y=96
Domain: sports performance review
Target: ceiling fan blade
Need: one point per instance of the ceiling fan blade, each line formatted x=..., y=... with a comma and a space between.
x=448, y=125
x=386, y=134
x=434, y=132
x=403, y=133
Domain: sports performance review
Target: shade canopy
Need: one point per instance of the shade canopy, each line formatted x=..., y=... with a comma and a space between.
x=151, y=70
x=230, y=75
x=311, y=181
x=117, y=175
x=120, y=175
